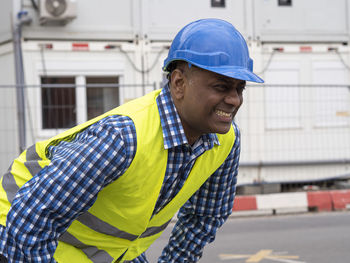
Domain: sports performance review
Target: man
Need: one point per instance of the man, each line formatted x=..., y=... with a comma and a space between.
x=105, y=190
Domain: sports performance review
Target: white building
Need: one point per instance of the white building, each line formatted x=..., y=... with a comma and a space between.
x=295, y=128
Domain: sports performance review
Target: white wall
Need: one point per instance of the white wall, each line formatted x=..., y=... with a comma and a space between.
x=283, y=123
x=159, y=20
x=311, y=20
x=5, y=20
x=8, y=115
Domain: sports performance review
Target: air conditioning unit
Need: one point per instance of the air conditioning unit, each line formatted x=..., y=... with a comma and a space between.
x=58, y=12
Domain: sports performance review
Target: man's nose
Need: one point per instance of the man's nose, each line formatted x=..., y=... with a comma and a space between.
x=233, y=98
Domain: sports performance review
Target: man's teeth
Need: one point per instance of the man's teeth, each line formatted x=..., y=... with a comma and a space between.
x=222, y=113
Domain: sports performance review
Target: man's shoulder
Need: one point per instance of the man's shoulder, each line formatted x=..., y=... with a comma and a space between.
x=115, y=124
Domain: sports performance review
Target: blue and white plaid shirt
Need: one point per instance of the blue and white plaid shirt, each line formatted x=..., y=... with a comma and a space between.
x=47, y=204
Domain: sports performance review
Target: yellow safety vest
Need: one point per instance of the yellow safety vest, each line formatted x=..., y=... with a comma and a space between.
x=119, y=223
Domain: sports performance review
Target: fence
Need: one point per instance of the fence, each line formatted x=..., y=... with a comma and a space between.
x=290, y=133
x=295, y=134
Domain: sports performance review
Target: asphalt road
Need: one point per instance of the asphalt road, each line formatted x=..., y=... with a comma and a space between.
x=299, y=238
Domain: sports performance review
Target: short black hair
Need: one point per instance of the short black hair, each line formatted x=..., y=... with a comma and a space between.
x=172, y=66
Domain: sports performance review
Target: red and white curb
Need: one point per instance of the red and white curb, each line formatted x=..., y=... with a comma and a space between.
x=292, y=202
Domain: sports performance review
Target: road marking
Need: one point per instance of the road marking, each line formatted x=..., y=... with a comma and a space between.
x=259, y=256
x=232, y=256
x=262, y=254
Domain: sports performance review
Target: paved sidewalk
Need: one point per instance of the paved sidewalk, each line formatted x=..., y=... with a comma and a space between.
x=298, y=202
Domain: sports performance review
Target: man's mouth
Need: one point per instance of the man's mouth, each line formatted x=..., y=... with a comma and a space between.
x=223, y=113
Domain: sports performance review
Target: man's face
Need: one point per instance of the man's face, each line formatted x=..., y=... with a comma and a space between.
x=208, y=103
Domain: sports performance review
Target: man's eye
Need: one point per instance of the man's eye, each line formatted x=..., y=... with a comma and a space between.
x=220, y=87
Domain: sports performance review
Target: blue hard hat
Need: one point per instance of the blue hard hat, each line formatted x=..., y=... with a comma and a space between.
x=214, y=45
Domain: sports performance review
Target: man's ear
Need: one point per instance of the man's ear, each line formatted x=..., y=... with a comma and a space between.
x=177, y=83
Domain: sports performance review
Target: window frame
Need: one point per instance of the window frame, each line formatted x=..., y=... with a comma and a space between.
x=79, y=70
x=41, y=98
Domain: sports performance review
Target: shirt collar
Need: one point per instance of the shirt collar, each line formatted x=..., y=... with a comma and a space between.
x=173, y=132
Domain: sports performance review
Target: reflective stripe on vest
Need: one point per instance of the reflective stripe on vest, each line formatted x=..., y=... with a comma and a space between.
x=9, y=183
x=100, y=226
x=32, y=163
x=153, y=230
x=93, y=253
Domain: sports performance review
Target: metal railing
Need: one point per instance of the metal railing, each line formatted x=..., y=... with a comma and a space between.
x=289, y=132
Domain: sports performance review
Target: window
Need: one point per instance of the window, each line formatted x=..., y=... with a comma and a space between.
x=218, y=3
x=67, y=101
x=101, y=98
x=284, y=2
x=58, y=103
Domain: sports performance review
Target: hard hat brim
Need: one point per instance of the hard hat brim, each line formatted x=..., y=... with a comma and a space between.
x=228, y=71
x=235, y=72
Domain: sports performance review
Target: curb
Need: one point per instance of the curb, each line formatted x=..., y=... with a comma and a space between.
x=299, y=202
